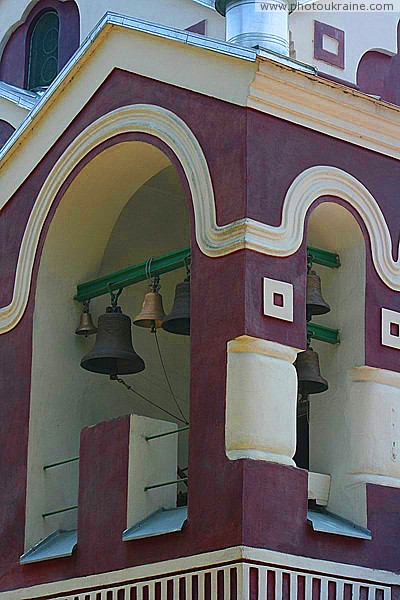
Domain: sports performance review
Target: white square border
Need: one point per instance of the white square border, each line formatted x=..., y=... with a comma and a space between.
x=274, y=286
x=388, y=317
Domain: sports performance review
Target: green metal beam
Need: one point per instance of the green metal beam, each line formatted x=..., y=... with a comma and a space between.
x=323, y=333
x=324, y=258
x=158, y=485
x=164, y=264
x=60, y=463
x=58, y=512
x=160, y=435
x=134, y=274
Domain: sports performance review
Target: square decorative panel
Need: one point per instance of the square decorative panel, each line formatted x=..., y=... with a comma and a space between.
x=278, y=299
x=390, y=328
x=329, y=44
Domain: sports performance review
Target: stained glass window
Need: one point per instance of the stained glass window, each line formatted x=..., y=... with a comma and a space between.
x=43, y=51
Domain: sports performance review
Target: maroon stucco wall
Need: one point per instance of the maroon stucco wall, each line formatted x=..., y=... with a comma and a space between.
x=253, y=158
x=14, y=60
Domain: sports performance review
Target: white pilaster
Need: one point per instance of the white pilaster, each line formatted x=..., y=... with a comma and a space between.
x=261, y=399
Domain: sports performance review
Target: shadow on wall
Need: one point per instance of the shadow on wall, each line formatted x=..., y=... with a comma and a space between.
x=14, y=60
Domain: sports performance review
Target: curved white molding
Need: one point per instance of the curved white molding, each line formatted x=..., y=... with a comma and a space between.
x=149, y=119
x=212, y=239
x=306, y=188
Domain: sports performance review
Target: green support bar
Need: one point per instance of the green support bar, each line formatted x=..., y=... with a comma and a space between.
x=134, y=274
x=160, y=435
x=164, y=264
x=60, y=463
x=58, y=512
x=324, y=258
x=323, y=333
x=165, y=483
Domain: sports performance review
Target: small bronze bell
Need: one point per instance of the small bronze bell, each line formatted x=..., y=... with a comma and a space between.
x=113, y=353
x=315, y=304
x=86, y=326
x=308, y=373
x=152, y=313
x=178, y=320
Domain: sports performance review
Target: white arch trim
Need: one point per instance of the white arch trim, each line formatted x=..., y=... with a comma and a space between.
x=212, y=239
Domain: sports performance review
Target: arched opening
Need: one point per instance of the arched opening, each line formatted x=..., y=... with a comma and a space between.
x=125, y=206
x=324, y=445
x=43, y=50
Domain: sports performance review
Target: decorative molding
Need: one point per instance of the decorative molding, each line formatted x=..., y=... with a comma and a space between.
x=310, y=185
x=326, y=106
x=213, y=240
x=375, y=375
x=239, y=558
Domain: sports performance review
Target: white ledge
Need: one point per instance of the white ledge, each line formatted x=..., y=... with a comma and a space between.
x=375, y=375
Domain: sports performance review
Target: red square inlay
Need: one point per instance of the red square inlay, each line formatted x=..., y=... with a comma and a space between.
x=279, y=300
x=321, y=30
x=395, y=329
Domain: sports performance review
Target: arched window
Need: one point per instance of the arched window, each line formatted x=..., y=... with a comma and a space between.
x=43, y=51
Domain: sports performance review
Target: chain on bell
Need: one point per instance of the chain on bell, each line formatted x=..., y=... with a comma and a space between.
x=152, y=314
x=178, y=320
x=113, y=353
x=86, y=326
x=309, y=374
x=315, y=304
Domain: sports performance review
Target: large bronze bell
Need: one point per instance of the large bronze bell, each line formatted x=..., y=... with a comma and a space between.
x=315, y=304
x=152, y=313
x=178, y=320
x=113, y=353
x=309, y=374
x=86, y=326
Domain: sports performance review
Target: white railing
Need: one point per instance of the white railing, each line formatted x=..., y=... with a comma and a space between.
x=244, y=581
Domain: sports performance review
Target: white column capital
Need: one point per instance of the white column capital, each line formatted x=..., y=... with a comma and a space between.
x=246, y=343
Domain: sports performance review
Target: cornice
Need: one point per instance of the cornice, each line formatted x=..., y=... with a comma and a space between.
x=231, y=555
x=326, y=106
